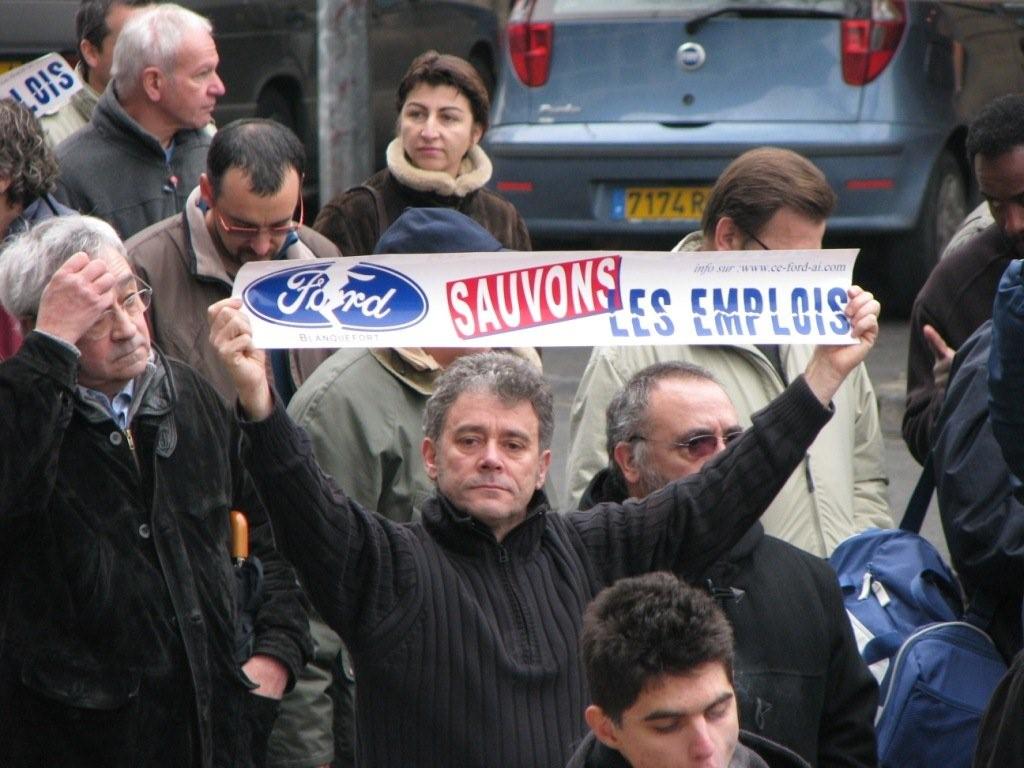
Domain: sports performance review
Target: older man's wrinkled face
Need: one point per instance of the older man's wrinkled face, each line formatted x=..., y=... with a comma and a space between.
x=116, y=349
x=190, y=91
x=488, y=462
x=688, y=422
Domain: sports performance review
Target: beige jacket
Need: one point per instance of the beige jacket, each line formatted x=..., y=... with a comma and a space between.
x=843, y=486
x=73, y=115
x=179, y=259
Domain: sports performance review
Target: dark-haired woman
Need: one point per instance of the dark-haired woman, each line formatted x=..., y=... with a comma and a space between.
x=435, y=161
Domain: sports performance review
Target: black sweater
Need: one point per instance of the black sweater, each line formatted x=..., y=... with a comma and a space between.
x=466, y=648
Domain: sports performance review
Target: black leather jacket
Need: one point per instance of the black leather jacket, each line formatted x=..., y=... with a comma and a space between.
x=116, y=581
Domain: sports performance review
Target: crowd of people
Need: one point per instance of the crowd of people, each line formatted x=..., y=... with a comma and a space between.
x=397, y=589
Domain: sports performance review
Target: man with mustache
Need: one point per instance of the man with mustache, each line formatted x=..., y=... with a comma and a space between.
x=246, y=207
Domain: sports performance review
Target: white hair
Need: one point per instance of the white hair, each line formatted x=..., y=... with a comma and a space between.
x=152, y=38
x=28, y=261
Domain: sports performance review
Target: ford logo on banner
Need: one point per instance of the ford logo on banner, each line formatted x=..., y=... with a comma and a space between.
x=332, y=294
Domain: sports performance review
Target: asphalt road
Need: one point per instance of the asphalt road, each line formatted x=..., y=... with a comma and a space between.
x=886, y=364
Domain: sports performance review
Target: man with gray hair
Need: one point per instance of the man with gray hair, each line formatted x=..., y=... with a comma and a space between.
x=799, y=678
x=123, y=640
x=145, y=146
x=464, y=626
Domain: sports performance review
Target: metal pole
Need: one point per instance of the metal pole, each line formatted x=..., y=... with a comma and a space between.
x=343, y=87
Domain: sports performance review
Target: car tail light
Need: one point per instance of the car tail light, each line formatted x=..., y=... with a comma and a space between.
x=529, y=45
x=869, y=44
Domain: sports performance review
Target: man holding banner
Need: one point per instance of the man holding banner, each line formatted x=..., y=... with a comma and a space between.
x=767, y=199
x=466, y=625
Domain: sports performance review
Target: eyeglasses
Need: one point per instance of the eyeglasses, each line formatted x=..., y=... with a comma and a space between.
x=249, y=232
x=757, y=240
x=133, y=305
x=698, y=446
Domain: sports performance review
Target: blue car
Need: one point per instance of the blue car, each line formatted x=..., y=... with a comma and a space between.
x=613, y=118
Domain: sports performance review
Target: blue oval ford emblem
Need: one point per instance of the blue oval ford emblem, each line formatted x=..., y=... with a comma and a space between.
x=365, y=297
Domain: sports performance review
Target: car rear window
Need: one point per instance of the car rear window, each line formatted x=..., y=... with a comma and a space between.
x=687, y=9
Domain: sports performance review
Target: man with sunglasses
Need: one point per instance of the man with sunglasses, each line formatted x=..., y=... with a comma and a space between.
x=248, y=207
x=121, y=643
x=799, y=678
x=766, y=199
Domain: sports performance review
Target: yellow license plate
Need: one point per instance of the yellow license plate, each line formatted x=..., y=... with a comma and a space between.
x=7, y=66
x=665, y=203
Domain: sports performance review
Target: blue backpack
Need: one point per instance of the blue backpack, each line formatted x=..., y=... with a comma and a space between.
x=936, y=672
x=893, y=582
x=934, y=694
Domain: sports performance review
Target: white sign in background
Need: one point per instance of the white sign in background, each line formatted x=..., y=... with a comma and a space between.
x=541, y=299
x=43, y=85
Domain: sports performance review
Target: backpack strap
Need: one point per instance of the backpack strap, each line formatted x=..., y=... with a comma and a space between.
x=378, y=204
x=917, y=507
x=882, y=647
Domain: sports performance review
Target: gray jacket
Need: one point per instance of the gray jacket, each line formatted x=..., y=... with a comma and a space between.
x=115, y=170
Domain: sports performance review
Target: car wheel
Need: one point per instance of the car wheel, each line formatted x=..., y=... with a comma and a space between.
x=910, y=258
x=274, y=105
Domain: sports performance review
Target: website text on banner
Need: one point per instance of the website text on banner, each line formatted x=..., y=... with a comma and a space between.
x=550, y=299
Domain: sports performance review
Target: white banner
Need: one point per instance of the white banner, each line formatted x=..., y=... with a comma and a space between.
x=550, y=299
x=43, y=85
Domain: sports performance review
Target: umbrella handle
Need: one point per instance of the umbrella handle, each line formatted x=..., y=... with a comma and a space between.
x=239, y=537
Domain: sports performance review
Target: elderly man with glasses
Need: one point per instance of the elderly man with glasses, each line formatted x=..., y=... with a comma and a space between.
x=799, y=678
x=123, y=642
x=248, y=207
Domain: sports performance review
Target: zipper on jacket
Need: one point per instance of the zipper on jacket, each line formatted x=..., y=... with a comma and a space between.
x=517, y=606
x=130, y=439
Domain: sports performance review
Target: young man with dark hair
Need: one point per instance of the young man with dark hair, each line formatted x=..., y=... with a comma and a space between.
x=767, y=198
x=658, y=658
x=247, y=207
x=800, y=679
x=957, y=297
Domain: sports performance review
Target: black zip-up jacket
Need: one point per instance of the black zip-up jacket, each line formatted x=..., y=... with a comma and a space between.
x=800, y=680
x=466, y=649
x=117, y=589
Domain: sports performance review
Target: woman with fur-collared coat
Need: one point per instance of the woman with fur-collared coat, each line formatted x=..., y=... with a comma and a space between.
x=435, y=161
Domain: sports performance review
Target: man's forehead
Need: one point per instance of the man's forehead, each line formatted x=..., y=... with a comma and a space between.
x=236, y=186
x=480, y=408
x=684, y=693
x=667, y=393
x=1001, y=174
